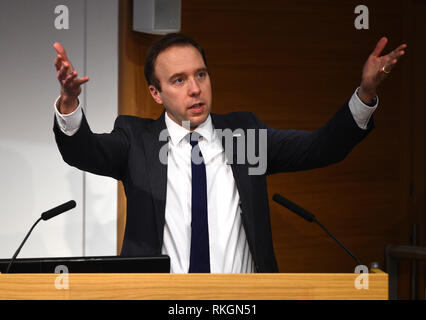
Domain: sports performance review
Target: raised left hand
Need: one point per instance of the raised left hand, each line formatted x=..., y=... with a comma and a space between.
x=377, y=68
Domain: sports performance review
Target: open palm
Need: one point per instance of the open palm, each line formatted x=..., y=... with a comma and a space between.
x=377, y=67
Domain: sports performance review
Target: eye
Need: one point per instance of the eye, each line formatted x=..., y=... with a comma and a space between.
x=202, y=74
x=178, y=81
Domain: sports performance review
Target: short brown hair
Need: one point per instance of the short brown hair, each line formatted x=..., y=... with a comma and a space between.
x=169, y=40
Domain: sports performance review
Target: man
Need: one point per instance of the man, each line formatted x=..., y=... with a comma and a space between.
x=211, y=216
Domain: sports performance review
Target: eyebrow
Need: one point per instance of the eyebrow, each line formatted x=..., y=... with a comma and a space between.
x=175, y=75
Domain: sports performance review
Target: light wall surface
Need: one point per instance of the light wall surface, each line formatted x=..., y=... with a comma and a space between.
x=34, y=178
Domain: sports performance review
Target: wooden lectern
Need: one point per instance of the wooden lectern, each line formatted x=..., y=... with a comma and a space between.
x=277, y=286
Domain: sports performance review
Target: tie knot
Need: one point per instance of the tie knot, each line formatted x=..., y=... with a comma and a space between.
x=194, y=137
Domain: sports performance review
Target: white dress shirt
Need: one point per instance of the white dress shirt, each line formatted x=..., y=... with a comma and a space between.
x=229, y=251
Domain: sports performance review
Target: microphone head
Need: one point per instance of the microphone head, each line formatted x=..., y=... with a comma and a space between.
x=58, y=210
x=293, y=207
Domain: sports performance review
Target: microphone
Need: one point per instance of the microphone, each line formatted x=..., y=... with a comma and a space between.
x=44, y=216
x=58, y=210
x=311, y=218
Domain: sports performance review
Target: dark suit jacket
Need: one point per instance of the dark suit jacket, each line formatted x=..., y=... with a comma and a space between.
x=130, y=153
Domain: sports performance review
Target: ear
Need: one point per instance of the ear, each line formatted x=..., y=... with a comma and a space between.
x=155, y=94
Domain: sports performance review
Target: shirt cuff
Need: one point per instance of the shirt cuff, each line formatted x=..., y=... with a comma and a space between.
x=69, y=123
x=360, y=111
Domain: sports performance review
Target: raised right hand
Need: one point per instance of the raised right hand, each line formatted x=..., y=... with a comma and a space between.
x=70, y=84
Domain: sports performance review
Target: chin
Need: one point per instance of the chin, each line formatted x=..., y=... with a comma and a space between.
x=197, y=120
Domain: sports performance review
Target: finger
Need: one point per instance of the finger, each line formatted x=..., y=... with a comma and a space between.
x=402, y=47
x=70, y=78
x=60, y=74
x=82, y=80
x=379, y=47
x=69, y=66
x=398, y=51
x=394, y=56
x=63, y=72
x=57, y=63
x=387, y=67
x=60, y=50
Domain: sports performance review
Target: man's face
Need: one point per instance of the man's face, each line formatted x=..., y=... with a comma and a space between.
x=185, y=85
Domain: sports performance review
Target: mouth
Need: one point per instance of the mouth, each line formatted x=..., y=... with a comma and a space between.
x=197, y=108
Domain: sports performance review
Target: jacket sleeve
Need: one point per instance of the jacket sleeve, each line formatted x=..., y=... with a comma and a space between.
x=103, y=154
x=295, y=150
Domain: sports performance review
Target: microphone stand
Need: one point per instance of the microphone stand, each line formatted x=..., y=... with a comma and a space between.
x=23, y=242
x=311, y=218
x=44, y=216
x=339, y=243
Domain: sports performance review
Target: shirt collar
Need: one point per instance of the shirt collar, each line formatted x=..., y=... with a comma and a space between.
x=177, y=132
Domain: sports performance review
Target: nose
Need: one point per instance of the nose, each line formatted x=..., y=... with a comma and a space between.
x=193, y=88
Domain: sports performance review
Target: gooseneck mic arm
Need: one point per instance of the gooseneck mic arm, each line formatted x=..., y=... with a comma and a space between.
x=44, y=216
x=20, y=247
x=340, y=243
x=311, y=218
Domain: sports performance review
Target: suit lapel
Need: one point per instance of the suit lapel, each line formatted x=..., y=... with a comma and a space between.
x=242, y=181
x=240, y=171
x=157, y=171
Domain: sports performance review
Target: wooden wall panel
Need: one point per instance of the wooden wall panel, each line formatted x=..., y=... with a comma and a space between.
x=294, y=64
x=414, y=27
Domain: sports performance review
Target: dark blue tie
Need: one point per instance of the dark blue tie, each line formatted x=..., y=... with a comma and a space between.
x=200, y=254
